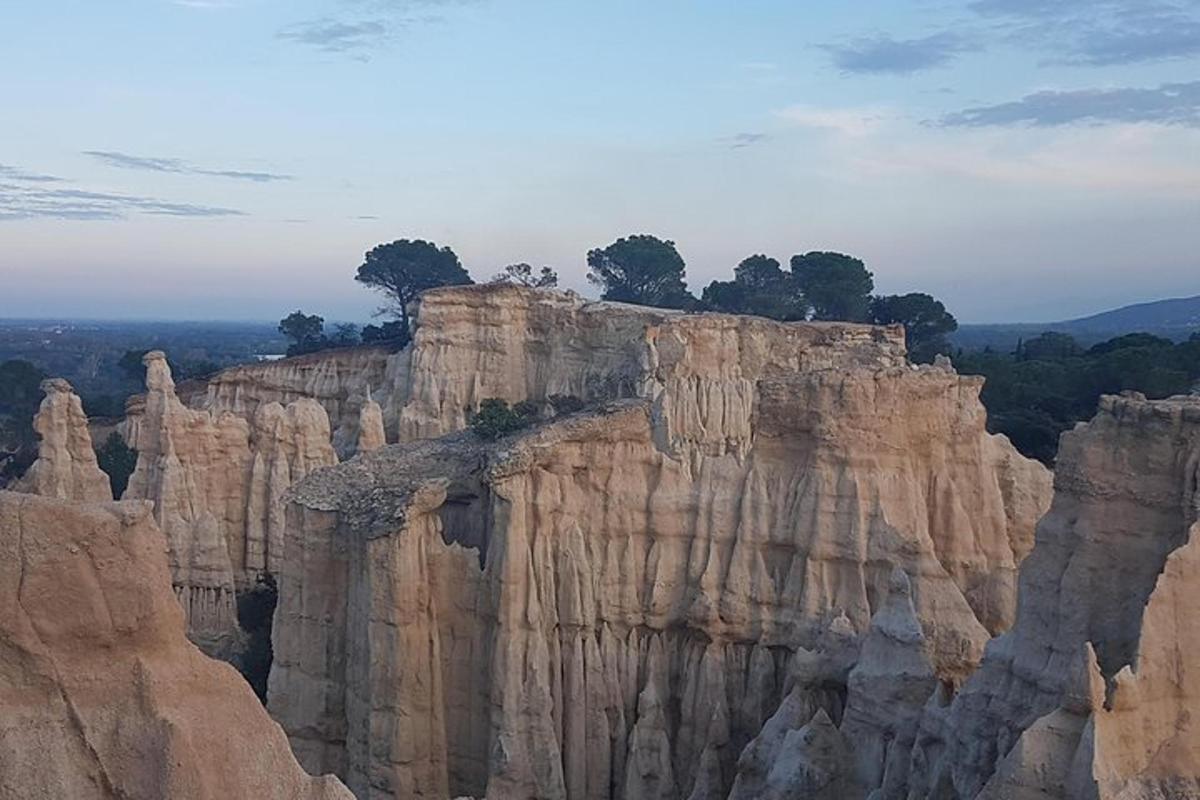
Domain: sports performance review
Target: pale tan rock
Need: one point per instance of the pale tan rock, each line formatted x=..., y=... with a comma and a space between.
x=1111, y=576
x=462, y=618
x=66, y=465
x=217, y=484
x=887, y=690
x=371, y=435
x=338, y=379
x=102, y=695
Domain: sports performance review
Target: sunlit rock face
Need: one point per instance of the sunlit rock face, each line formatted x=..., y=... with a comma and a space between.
x=1094, y=693
x=66, y=465
x=613, y=604
x=101, y=694
x=217, y=483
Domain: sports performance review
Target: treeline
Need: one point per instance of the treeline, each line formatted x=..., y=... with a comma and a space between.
x=1050, y=382
x=646, y=270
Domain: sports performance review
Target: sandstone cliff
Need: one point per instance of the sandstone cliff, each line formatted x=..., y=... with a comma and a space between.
x=340, y=380
x=1094, y=692
x=102, y=695
x=598, y=607
x=217, y=483
x=66, y=465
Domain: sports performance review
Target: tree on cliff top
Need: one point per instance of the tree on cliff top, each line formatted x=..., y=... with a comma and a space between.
x=837, y=285
x=404, y=268
x=926, y=322
x=523, y=275
x=640, y=269
x=760, y=287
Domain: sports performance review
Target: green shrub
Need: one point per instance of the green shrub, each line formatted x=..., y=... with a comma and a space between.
x=495, y=418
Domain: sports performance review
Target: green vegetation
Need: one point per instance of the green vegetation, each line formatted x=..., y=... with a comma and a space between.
x=640, y=269
x=522, y=275
x=926, y=322
x=759, y=286
x=20, y=396
x=118, y=461
x=306, y=331
x=837, y=286
x=495, y=418
x=404, y=268
x=1050, y=383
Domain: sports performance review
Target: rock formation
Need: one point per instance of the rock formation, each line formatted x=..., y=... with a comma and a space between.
x=1094, y=691
x=338, y=379
x=612, y=605
x=102, y=695
x=217, y=484
x=371, y=435
x=66, y=465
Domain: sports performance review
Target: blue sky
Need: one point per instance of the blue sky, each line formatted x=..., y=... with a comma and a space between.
x=1021, y=159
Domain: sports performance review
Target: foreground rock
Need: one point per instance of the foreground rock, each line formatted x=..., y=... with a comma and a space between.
x=612, y=605
x=1095, y=692
x=66, y=465
x=101, y=694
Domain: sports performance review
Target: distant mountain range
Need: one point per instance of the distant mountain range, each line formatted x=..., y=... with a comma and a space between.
x=1176, y=318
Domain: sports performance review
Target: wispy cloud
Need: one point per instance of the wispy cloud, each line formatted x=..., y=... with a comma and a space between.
x=203, y=3
x=853, y=122
x=179, y=166
x=22, y=201
x=1100, y=32
x=745, y=139
x=11, y=173
x=883, y=55
x=337, y=36
x=1169, y=104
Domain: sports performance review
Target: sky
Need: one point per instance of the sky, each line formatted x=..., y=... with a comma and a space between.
x=1022, y=160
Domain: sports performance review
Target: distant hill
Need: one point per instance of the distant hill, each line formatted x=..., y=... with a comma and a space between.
x=1175, y=318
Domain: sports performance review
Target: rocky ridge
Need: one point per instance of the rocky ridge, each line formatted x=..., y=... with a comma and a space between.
x=675, y=563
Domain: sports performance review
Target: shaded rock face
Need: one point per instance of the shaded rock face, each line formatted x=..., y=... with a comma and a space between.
x=102, y=695
x=613, y=605
x=217, y=484
x=339, y=380
x=1094, y=692
x=66, y=465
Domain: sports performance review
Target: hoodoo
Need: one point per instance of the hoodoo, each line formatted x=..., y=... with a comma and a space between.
x=66, y=465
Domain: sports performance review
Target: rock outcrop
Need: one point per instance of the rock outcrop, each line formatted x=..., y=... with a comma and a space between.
x=371, y=433
x=1094, y=691
x=616, y=602
x=66, y=465
x=217, y=482
x=102, y=695
x=338, y=379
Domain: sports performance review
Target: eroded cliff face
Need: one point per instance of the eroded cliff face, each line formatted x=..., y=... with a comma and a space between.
x=1093, y=693
x=613, y=605
x=66, y=465
x=217, y=482
x=102, y=695
x=340, y=380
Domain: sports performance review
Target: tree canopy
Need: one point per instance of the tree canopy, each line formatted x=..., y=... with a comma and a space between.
x=760, y=287
x=307, y=332
x=837, y=286
x=640, y=269
x=926, y=322
x=523, y=275
x=403, y=269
